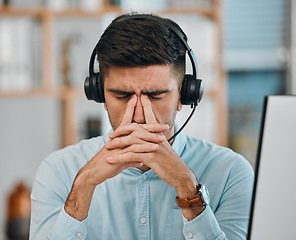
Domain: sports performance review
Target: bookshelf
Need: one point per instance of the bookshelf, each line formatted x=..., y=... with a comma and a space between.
x=69, y=95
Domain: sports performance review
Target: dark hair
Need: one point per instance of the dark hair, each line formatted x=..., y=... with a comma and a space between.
x=140, y=42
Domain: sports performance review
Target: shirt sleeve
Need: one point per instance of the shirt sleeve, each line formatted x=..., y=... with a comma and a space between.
x=205, y=226
x=48, y=217
x=75, y=228
x=230, y=220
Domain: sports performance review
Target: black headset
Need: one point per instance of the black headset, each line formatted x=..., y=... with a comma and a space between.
x=192, y=88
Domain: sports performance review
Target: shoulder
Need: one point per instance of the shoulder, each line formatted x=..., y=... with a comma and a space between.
x=208, y=149
x=206, y=155
x=71, y=158
x=84, y=147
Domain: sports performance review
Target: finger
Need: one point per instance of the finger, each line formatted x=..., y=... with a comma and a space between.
x=126, y=141
x=121, y=167
x=126, y=157
x=133, y=164
x=128, y=129
x=142, y=148
x=129, y=111
x=149, y=115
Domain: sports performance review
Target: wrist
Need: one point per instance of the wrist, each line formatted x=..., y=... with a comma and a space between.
x=201, y=197
x=194, y=205
x=187, y=187
x=79, y=199
x=84, y=179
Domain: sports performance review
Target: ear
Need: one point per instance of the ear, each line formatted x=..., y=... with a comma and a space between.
x=179, y=106
x=105, y=106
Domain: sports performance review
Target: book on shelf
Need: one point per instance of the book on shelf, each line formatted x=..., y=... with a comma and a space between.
x=18, y=56
x=94, y=127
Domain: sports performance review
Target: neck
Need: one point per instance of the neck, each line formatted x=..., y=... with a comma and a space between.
x=171, y=133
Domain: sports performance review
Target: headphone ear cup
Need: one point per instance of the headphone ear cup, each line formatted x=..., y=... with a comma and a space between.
x=93, y=88
x=100, y=88
x=192, y=90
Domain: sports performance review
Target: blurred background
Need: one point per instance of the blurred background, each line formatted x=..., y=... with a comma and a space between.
x=244, y=51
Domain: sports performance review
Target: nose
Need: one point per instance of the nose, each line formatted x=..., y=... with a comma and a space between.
x=139, y=116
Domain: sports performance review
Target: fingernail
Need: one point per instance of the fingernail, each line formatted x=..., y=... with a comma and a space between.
x=167, y=126
x=108, y=144
x=139, y=164
x=133, y=96
x=161, y=138
x=155, y=146
x=111, y=135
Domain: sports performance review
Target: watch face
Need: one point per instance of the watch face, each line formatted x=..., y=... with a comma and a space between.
x=205, y=194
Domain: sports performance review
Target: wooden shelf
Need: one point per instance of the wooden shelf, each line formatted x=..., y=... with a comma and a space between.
x=24, y=93
x=61, y=93
x=22, y=12
x=205, y=12
x=38, y=12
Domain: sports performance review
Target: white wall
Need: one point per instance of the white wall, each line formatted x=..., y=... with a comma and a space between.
x=293, y=47
x=29, y=131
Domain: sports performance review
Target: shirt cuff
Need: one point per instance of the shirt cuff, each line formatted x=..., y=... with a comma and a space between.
x=67, y=227
x=204, y=226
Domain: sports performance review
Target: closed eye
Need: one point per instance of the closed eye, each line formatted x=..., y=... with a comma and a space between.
x=123, y=96
x=119, y=94
x=155, y=97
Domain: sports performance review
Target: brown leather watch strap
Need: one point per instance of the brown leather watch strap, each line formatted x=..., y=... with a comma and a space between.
x=191, y=201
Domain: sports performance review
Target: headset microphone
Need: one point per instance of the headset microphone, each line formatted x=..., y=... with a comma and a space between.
x=184, y=124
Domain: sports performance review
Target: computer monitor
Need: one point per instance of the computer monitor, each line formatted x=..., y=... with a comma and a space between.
x=273, y=211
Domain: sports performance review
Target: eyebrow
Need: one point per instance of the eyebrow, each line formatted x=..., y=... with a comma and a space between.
x=147, y=92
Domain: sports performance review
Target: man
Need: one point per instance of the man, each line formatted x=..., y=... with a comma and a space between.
x=124, y=185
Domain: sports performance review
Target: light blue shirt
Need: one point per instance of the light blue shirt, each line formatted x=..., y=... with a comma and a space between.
x=137, y=205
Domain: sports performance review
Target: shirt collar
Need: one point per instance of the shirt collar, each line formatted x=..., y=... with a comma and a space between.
x=106, y=136
x=179, y=143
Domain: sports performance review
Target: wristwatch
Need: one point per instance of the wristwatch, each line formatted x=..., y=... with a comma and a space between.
x=201, y=198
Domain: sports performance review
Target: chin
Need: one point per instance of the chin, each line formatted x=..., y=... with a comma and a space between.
x=169, y=133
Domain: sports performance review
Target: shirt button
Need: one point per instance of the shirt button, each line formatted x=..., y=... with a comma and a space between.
x=144, y=177
x=79, y=235
x=143, y=220
x=190, y=235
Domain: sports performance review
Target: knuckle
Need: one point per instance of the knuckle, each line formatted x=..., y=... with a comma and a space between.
x=129, y=156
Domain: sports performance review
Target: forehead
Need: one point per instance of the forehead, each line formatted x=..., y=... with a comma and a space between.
x=141, y=78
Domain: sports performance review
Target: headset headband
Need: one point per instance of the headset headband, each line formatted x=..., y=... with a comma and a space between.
x=180, y=35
